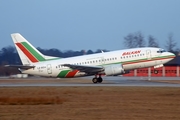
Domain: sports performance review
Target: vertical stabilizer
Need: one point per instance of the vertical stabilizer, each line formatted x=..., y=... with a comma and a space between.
x=27, y=52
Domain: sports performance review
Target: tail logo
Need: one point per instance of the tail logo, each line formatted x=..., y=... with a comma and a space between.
x=33, y=55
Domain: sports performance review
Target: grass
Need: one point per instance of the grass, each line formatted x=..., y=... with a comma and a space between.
x=30, y=100
x=90, y=103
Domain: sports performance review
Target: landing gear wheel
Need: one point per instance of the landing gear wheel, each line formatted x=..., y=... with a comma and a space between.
x=100, y=80
x=95, y=80
x=155, y=71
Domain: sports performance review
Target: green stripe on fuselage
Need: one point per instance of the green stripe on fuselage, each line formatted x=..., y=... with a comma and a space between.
x=33, y=52
x=63, y=73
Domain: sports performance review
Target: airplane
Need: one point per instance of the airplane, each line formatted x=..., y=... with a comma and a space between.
x=111, y=63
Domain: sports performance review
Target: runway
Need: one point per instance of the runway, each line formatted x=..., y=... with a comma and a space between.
x=86, y=81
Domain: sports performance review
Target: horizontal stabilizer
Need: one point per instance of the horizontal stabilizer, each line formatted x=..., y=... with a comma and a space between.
x=20, y=66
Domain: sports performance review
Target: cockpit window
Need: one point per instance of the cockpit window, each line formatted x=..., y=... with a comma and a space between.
x=161, y=51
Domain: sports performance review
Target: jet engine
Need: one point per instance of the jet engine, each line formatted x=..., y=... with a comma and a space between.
x=115, y=69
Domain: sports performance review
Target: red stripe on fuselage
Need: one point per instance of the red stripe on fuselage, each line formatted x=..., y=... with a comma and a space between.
x=71, y=73
x=26, y=52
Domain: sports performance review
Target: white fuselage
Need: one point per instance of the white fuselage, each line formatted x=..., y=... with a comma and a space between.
x=128, y=58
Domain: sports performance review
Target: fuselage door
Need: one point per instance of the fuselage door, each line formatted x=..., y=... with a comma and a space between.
x=148, y=54
x=49, y=69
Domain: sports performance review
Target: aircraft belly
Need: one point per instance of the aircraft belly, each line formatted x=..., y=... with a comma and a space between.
x=39, y=73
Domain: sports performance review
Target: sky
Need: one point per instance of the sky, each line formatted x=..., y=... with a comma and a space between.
x=88, y=24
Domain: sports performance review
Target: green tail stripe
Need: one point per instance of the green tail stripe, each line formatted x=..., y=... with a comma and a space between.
x=32, y=51
x=63, y=73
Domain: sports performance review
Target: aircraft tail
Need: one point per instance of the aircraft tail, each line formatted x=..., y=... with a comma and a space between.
x=27, y=52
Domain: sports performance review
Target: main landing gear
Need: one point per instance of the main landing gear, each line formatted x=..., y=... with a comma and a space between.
x=97, y=79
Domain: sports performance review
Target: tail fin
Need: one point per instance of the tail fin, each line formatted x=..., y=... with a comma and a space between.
x=27, y=52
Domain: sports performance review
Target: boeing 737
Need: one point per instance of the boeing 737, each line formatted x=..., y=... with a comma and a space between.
x=106, y=63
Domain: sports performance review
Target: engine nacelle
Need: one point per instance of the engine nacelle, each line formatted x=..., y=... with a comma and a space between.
x=115, y=69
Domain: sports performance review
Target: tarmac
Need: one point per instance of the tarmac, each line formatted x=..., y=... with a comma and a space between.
x=86, y=81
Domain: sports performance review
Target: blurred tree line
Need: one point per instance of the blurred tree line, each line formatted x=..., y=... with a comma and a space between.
x=137, y=39
x=9, y=55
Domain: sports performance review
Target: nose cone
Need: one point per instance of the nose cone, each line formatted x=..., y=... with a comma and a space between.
x=171, y=55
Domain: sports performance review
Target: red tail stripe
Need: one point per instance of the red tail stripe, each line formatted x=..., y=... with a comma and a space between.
x=26, y=52
x=71, y=73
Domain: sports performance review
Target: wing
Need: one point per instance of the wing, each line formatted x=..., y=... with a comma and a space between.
x=20, y=66
x=87, y=69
